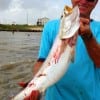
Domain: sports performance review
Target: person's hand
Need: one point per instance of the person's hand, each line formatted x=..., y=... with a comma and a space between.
x=35, y=95
x=23, y=84
x=84, y=26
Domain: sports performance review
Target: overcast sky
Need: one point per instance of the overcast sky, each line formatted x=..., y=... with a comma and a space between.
x=23, y=11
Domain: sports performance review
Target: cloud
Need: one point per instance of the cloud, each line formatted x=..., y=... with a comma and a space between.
x=46, y=8
x=96, y=13
x=19, y=10
x=5, y=4
x=34, y=9
x=9, y=13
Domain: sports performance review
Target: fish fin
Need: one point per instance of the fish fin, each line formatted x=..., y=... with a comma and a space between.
x=73, y=55
x=72, y=60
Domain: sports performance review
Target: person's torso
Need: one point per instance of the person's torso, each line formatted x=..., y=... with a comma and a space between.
x=79, y=81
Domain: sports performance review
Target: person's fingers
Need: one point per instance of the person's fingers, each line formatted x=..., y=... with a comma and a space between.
x=23, y=84
x=84, y=20
x=35, y=95
x=27, y=98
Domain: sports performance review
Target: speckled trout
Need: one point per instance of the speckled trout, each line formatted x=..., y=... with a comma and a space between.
x=59, y=58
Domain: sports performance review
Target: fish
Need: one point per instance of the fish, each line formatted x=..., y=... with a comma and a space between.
x=60, y=56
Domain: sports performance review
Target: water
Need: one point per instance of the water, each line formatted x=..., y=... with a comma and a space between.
x=18, y=52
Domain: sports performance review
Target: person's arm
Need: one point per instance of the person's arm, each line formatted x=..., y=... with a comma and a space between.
x=93, y=49
x=92, y=46
x=37, y=66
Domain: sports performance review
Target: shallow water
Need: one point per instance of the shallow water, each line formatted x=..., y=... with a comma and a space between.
x=18, y=52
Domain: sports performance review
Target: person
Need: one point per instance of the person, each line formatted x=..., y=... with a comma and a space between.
x=82, y=79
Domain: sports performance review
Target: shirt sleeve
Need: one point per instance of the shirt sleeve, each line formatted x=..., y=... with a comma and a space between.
x=49, y=34
x=45, y=42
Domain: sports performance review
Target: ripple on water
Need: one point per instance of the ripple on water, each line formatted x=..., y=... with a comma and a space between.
x=16, y=52
x=10, y=75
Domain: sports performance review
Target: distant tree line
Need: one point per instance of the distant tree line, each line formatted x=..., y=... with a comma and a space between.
x=18, y=27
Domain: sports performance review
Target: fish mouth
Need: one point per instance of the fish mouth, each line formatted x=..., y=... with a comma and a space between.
x=70, y=24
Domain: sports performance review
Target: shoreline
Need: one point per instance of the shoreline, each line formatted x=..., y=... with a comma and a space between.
x=21, y=28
